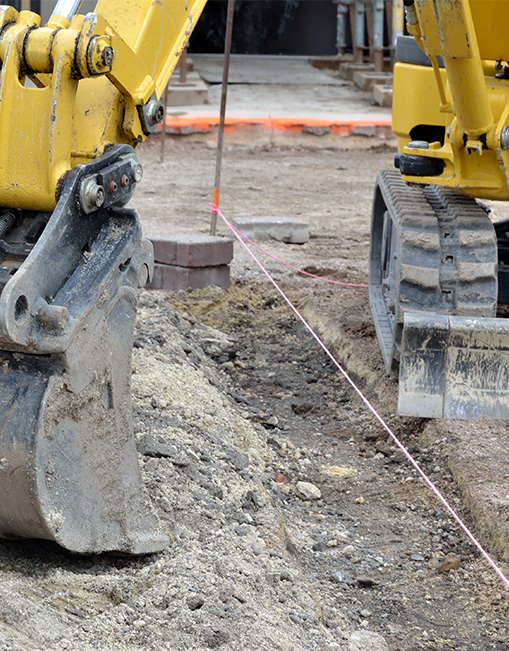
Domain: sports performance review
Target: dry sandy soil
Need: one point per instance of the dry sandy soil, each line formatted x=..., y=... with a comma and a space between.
x=295, y=524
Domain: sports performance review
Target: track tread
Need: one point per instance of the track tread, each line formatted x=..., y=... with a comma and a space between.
x=445, y=262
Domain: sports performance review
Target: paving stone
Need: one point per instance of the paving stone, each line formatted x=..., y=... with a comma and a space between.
x=192, y=250
x=282, y=229
x=367, y=130
x=382, y=95
x=366, y=79
x=174, y=278
x=194, y=92
x=347, y=70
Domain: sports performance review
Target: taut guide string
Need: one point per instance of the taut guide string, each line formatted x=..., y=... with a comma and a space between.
x=370, y=407
x=300, y=271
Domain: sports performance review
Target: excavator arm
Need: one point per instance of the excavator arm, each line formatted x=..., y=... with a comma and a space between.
x=73, y=88
x=76, y=97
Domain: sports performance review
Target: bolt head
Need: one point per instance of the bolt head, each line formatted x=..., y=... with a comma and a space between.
x=137, y=173
x=155, y=112
x=99, y=196
x=159, y=113
x=504, y=137
x=124, y=181
x=107, y=56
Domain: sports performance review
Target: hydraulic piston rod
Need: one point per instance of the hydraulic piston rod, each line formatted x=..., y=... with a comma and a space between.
x=67, y=8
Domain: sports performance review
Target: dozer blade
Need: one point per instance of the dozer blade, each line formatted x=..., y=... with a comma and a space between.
x=454, y=367
x=68, y=462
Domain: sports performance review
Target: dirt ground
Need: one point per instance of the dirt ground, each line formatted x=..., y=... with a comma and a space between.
x=284, y=374
x=295, y=524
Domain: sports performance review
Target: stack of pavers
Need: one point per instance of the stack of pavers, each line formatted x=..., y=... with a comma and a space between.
x=191, y=261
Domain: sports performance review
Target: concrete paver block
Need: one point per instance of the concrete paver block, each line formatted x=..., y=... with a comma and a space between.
x=347, y=70
x=176, y=278
x=195, y=91
x=364, y=130
x=382, y=95
x=283, y=229
x=366, y=79
x=192, y=250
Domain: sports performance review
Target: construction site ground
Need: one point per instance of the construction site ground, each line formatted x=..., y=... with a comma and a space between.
x=295, y=523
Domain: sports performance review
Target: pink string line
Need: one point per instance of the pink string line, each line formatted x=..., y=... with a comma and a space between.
x=372, y=409
x=212, y=207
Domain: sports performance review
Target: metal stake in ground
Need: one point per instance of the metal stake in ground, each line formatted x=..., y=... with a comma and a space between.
x=222, y=112
x=163, y=125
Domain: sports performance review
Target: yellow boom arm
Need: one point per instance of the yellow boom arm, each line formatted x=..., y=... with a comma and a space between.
x=464, y=95
x=71, y=89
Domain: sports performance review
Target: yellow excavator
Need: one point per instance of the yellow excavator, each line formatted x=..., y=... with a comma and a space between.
x=76, y=96
x=439, y=281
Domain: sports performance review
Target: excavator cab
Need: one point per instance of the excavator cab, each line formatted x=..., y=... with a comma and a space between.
x=438, y=264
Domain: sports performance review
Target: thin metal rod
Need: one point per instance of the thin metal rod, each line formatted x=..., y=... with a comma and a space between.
x=163, y=125
x=66, y=8
x=222, y=112
x=183, y=67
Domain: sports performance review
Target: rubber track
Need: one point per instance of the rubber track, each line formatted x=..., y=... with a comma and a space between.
x=446, y=256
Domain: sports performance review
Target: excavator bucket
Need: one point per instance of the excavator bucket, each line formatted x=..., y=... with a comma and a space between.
x=68, y=462
x=454, y=367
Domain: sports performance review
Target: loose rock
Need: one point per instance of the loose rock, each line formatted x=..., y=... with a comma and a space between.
x=308, y=491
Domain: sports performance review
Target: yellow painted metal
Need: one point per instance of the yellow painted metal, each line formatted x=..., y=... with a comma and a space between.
x=156, y=30
x=447, y=29
x=90, y=79
x=465, y=99
x=416, y=100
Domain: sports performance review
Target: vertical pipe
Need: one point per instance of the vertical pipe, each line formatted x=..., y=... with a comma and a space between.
x=183, y=67
x=378, y=34
x=358, y=50
x=224, y=92
x=342, y=11
x=398, y=20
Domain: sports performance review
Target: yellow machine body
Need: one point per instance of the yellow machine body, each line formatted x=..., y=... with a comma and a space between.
x=468, y=97
x=439, y=266
x=69, y=90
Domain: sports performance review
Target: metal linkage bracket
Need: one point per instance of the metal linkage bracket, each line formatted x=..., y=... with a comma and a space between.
x=113, y=186
x=77, y=258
